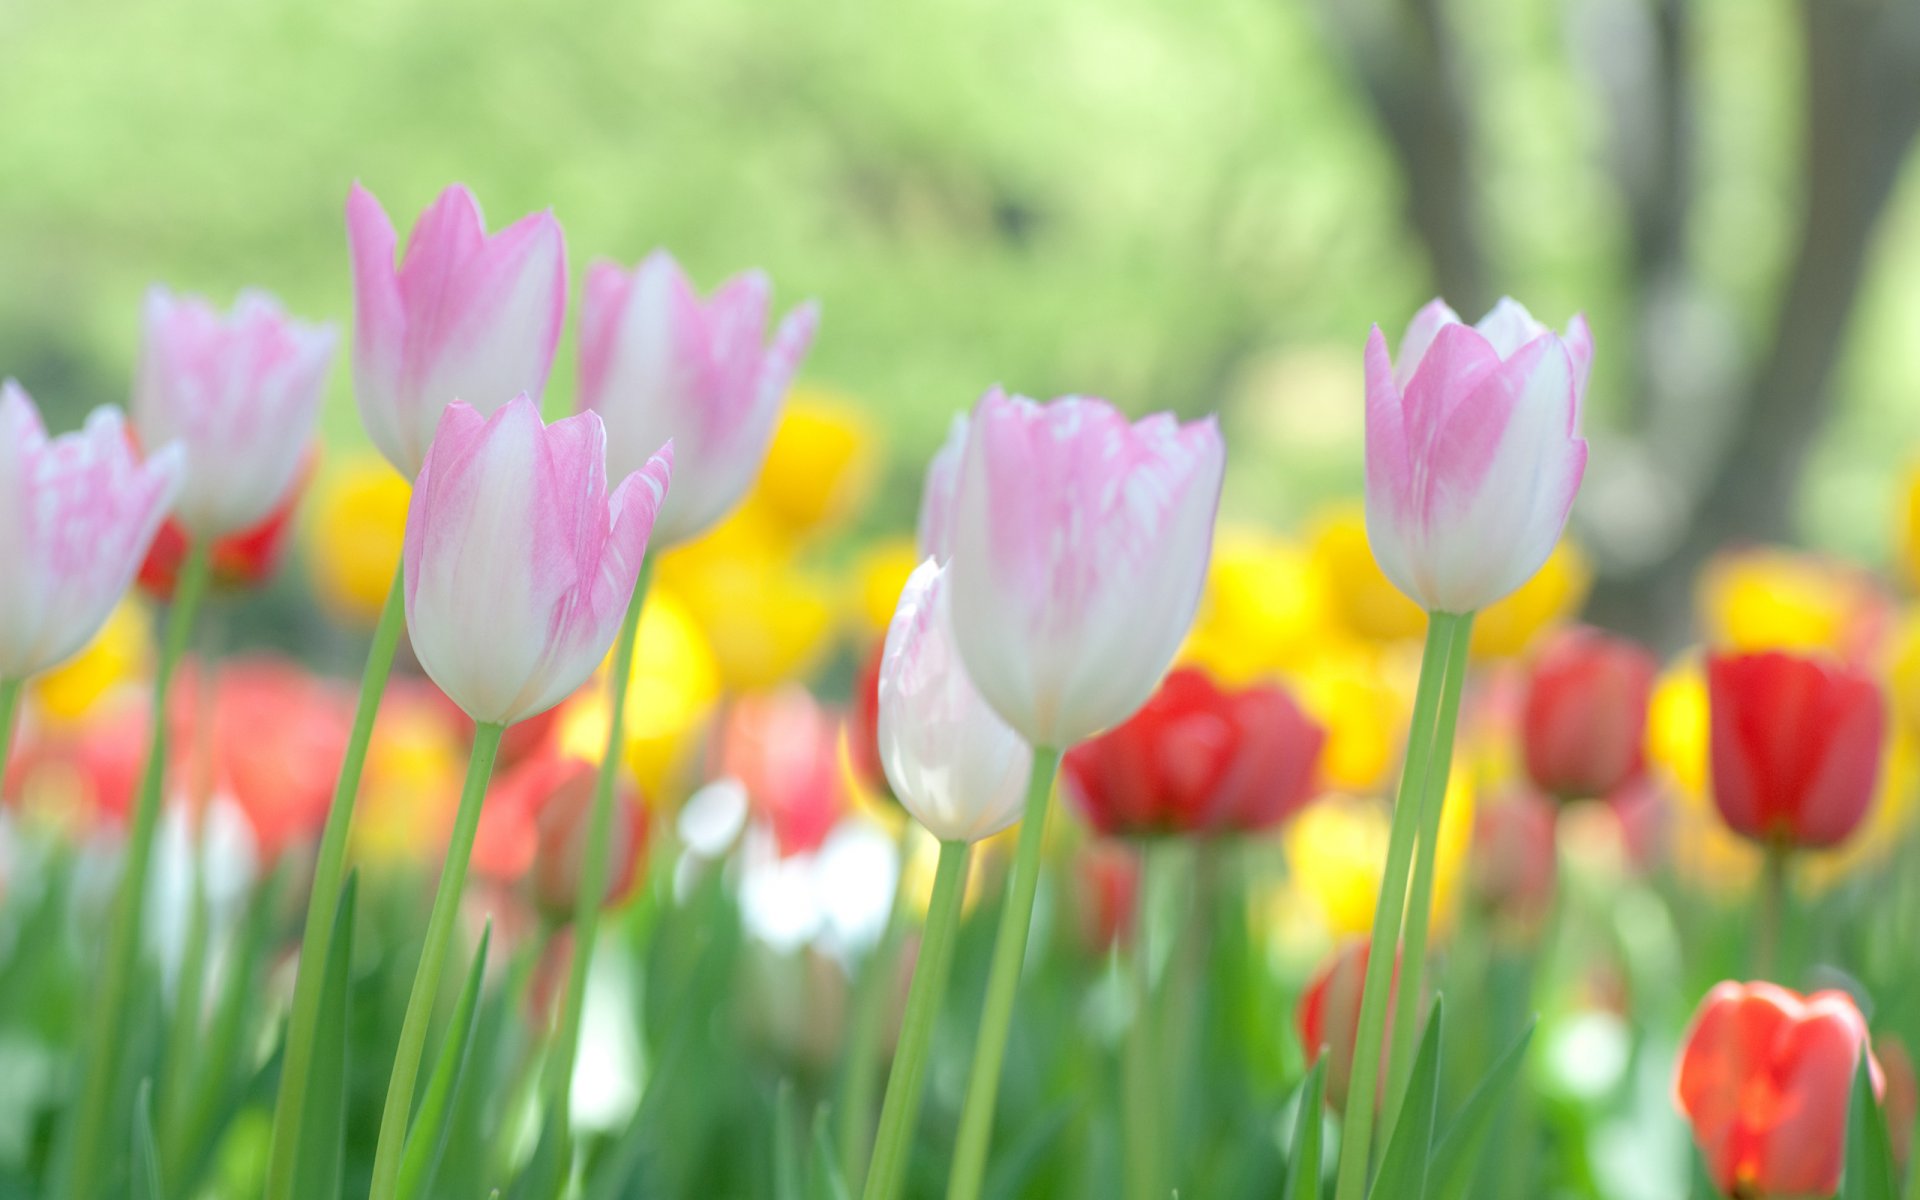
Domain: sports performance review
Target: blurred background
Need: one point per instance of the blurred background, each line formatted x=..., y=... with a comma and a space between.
x=1198, y=207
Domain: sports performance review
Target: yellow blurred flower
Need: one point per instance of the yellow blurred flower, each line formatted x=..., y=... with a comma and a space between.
x=878, y=575
x=1677, y=726
x=820, y=466
x=671, y=692
x=1507, y=628
x=765, y=618
x=414, y=765
x=1908, y=534
x=1903, y=673
x=1265, y=608
x=1363, y=695
x=1363, y=598
x=121, y=653
x=358, y=521
x=1777, y=599
x=1337, y=850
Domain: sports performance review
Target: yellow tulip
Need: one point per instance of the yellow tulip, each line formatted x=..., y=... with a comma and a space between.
x=1337, y=849
x=766, y=620
x=1265, y=608
x=878, y=575
x=120, y=654
x=414, y=765
x=1507, y=628
x=1362, y=694
x=1777, y=599
x=359, y=519
x=820, y=466
x=1362, y=597
x=1909, y=526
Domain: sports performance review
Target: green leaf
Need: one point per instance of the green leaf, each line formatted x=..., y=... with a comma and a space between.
x=146, y=1160
x=789, y=1181
x=1303, y=1162
x=827, y=1181
x=1403, y=1167
x=427, y=1137
x=322, y=1130
x=1870, y=1170
x=1451, y=1171
x=1013, y=1168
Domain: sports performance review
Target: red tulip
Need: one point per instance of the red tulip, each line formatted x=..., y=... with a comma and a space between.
x=1199, y=759
x=863, y=724
x=1329, y=1018
x=242, y=559
x=1109, y=877
x=1795, y=747
x=533, y=831
x=1515, y=861
x=1585, y=714
x=277, y=734
x=1764, y=1077
x=784, y=748
x=1903, y=1093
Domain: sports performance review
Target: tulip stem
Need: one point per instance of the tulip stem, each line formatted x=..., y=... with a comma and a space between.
x=1139, y=1065
x=1356, y=1142
x=433, y=956
x=1769, y=954
x=900, y=1111
x=595, y=861
x=88, y=1153
x=329, y=870
x=1433, y=800
x=877, y=974
x=9, y=705
x=1003, y=980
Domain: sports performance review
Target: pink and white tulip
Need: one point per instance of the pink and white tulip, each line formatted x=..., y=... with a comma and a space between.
x=518, y=562
x=1080, y=544
x=467, y=316
x=935, y=534
x=953, y=763
x=1473, y=451
x=77, y=513
x=657, y=362
x=240, y=393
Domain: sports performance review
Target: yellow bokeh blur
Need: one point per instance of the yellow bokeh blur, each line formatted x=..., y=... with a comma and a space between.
x=1362, y=694
x=820, y=466
x=765, y=617
x=414, y=765
x=1777, y=599
x=357, y=523
x=1903, y=673
x=1264, y=611
x=878, y=575
x=1508, y=628
x=1362, y=597
x=1337, y=851
x=1908, y=549
x=1677, y=726
x=120, y=654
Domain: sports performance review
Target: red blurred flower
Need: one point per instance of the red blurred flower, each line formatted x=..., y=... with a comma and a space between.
x=1328, y=1018
x=1795, y=746
x=784, y=749
x=242, y=559
x=277, y=735
x=1584, y=718
x=1764, y=1077
x=1515, y=861
x=863, y=724
x=533, y=829
x=1108, y=873
x=1199, y=759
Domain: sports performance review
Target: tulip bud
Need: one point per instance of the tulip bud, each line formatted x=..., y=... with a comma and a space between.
x=1328, y=1018
x=240, y=393
x=1795, y=747
x=1473, y=451
x=1764, y=1077
x=954, y=764
x=518, y=563
x=77, y=514
x=1198, y=759
x=658, y=363
x=935, y=531
x=1584, y=718
x=1080, y=545
x=467, y=316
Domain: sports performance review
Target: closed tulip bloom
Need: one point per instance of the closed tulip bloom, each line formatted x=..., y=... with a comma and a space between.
x=935, y=532
x=1328, y=1017
x=240, y=394
x=1584, y=718
x=1199, y=759
x=659, y=362
x=1080, y=545
x=1795, y=747
x=1764, y=1077
x=954, y=764
x=77, y=513
x=467, y=316
x=518, y=562
x=1473, y=452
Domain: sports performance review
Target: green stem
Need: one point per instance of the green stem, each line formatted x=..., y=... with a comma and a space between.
x=184, y=1034
x=900, y=1112
x=861, y=1080
x=1433, y=801
x=88, y=1153
x=1003, y=980
x=1139, y=1073
x=595, y=862
x=433, y=957
x=9, y=705
x=328, y=871
x=1775, y=898
x=1356, y=1143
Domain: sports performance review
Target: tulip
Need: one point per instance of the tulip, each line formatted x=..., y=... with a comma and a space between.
x=1795, y=747
x=467, y=316
x=1515, y=862
x=863, y=724
x=1473, y=451
x=1764, y=1077
x=240, y=393
x=935, y=530
x=518, y=561
x=1107, y=895
x=658, y=362
x=244, y=558
x=1080, y=545
x=784, y=749
x=533, y=833
x=77, y=513
x=1199, y=759
x=1328, y=1017
x=1584, y=718
x=954, y=764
